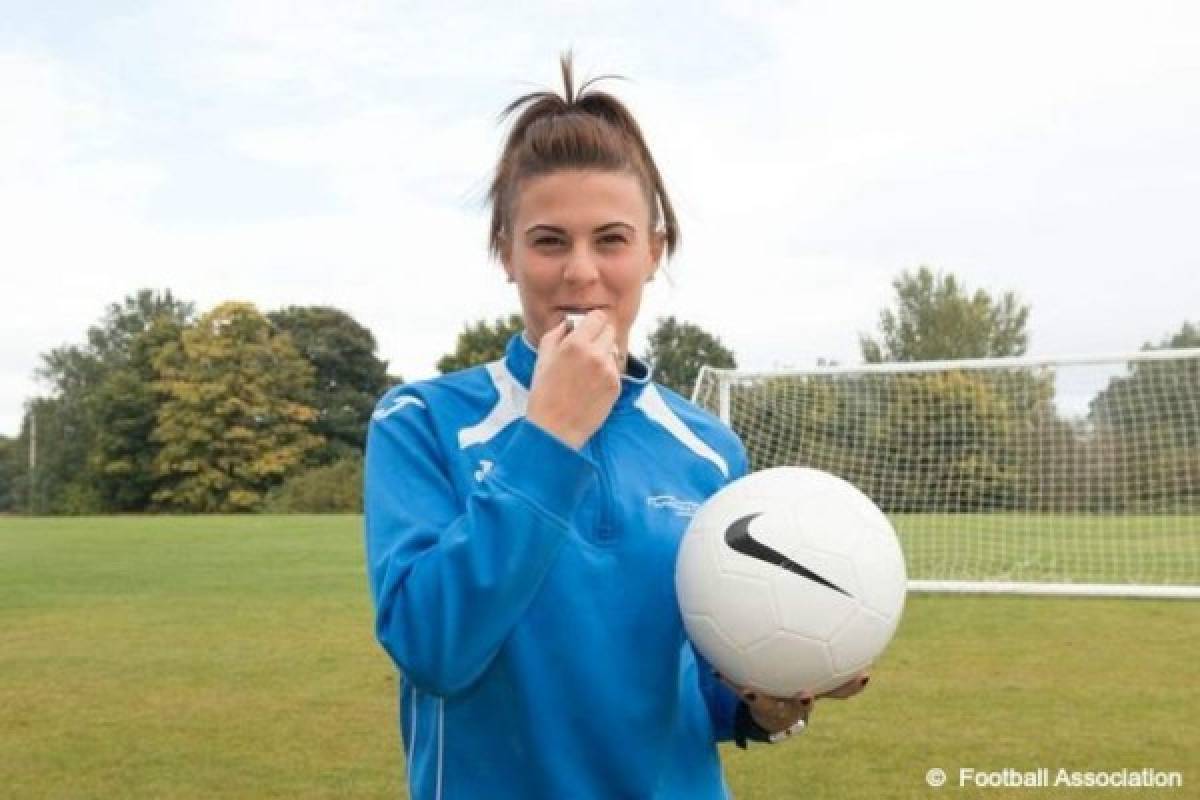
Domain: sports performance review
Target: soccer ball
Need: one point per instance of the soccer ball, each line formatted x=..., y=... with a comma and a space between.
x=790, y=579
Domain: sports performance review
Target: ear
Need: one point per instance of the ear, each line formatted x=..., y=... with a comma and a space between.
x=505, y=252
x=658, y=241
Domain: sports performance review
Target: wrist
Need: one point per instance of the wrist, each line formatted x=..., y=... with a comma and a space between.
x=746, y=728
x=564, y=433
x=770, y=726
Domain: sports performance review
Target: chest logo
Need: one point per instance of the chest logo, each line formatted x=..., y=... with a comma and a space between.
x=681, y=508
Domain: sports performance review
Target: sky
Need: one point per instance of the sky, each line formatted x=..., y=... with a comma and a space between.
x=338, y=154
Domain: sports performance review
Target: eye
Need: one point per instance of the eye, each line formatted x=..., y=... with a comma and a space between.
x=547, y=241
x=613, y=239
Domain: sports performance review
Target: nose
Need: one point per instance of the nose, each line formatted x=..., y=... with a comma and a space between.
x=581, y=267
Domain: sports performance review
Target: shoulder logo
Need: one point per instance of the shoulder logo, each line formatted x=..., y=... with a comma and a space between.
x=485, y=467
x=398, y=403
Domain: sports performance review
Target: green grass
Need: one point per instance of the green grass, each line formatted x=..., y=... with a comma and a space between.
x=191, y=657
x=1096, y=548
x=232, y=657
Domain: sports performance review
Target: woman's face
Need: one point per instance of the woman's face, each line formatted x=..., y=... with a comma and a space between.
x=581, y=240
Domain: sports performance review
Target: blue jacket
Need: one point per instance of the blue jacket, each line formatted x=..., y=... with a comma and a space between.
x=526, y=590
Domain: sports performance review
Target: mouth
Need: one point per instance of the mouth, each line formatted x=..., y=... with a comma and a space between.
x=574, y=314
x=577, y=309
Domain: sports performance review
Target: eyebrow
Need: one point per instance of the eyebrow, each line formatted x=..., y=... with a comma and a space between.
x=563, y=231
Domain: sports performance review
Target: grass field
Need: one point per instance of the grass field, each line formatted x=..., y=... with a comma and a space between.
x=1095, y=548
x=232, y=657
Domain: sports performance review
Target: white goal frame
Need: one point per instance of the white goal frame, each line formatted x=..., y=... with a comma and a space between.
x=715, y=387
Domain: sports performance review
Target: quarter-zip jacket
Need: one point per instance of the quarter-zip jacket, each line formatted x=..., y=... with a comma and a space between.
x=526, y=590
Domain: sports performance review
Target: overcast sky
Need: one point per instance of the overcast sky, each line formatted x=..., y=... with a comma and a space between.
x=337, y=154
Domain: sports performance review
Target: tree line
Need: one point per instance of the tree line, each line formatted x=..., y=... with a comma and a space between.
x=161, y=409
x=233, y=410
x=164, y=410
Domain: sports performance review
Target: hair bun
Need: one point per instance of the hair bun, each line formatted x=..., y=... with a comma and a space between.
x=579, y=129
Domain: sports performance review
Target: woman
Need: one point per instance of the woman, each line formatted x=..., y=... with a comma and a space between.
x=523, y=517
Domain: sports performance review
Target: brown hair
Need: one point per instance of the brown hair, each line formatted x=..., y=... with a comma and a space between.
x=580, y=129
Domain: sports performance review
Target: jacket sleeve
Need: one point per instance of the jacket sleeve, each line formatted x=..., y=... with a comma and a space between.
x=722, y=701
x=451, y=578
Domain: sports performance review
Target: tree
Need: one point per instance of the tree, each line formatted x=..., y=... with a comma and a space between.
x=65, y=431
x=481, y=343
x=9, y=500
x=57, y=484
x=349, y=378
x=233, y=423
x=912, y=442
x=678, y=350
x=335, y=488
x=95, y=452
x=1187, y=336
x=125, y=403
x=1172, y=386
x=1146, y=433
x=124, y=322
x=937, y=318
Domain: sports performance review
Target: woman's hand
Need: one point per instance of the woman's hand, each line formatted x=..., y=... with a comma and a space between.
x=576, y=380
x=777, y=714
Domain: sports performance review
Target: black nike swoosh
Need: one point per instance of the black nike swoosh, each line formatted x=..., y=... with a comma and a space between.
x=737, y=536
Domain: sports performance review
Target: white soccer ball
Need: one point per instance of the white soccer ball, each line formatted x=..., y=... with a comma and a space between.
x=790, y=579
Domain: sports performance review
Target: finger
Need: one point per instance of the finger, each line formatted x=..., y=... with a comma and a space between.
x=791, y=709
x=849, y=688
x=806, y=709
x=763, y=704
x=606, y=342
x=754, y=699
x=592, y=324
x=572, y=318
x=779, y=713
x=553, y=337
x=765, y=701
x=802, y=704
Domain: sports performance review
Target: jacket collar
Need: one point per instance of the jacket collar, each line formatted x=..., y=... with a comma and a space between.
x=520, y=357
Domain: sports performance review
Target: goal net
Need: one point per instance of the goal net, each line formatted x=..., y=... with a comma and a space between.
x=1077, y=476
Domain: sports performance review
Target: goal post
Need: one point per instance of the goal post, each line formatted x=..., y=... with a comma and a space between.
x=1075, y=475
